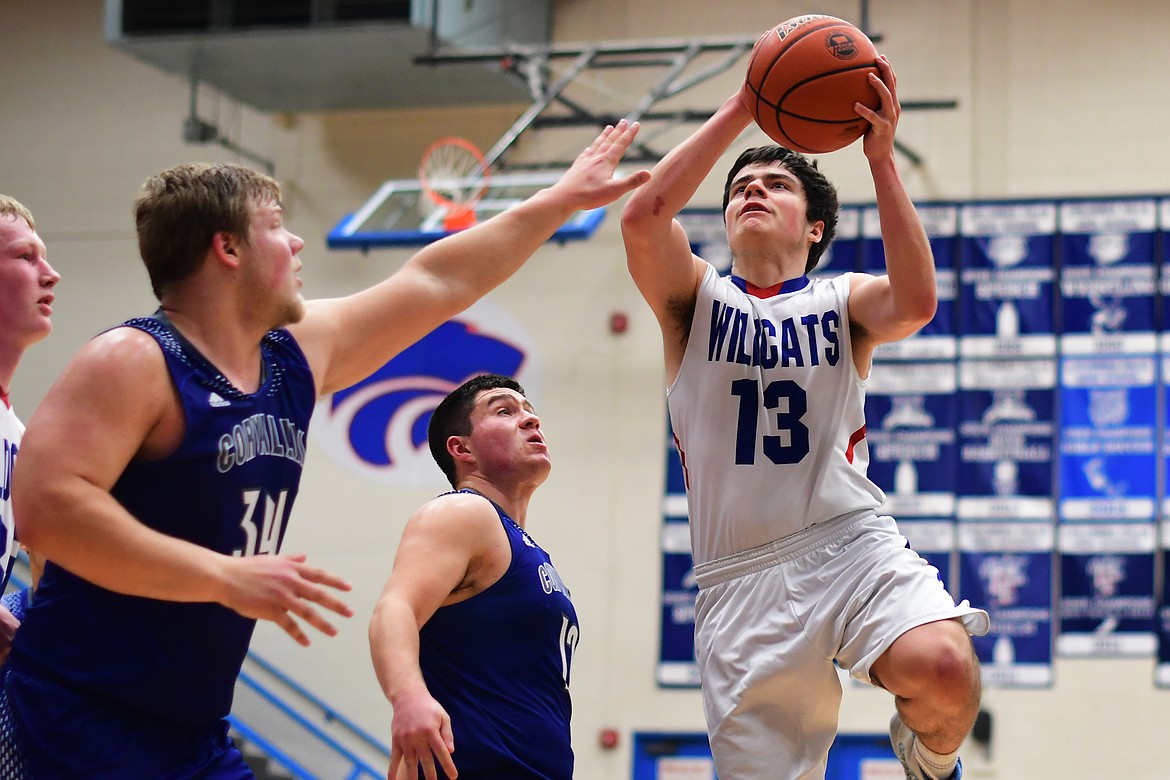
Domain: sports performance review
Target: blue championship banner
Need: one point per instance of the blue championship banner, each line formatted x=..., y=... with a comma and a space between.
x=1106, y=604
x=1162, y=667
x=1107, y=277
x=676, y=659
x=1108, y=468
x=844, y=254
x=1164, y=277
x=1006, y=432
x=708, y=236
x=1108, y=438
x=1006, y=568
x=937, y=339
x=911, y=411
x=934, y=540
x=1007, y=280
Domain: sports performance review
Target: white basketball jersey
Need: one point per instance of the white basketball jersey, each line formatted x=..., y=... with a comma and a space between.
x=11, y=430
x=768, y=413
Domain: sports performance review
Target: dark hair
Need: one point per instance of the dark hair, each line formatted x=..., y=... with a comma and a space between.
x=819, y=191
x=452, y=417
x=180, y=210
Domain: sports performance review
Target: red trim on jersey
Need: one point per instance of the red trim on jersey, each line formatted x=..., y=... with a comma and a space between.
x=790, y=285
x=4, y=397
x=854, y=438
x=682, y=458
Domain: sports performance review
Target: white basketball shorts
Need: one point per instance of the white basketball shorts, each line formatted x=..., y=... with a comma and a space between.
x=770, y=623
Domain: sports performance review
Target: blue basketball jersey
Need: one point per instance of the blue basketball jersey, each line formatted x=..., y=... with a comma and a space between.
x=499, y=664
x=11, y=431
x=229, y=487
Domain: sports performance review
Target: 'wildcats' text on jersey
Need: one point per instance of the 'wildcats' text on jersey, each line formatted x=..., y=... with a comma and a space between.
x=742, y=336
x=768, y=411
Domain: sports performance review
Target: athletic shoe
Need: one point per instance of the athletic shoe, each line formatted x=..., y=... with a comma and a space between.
x=902, y=738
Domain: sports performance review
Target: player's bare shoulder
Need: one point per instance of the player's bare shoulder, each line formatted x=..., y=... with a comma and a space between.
x=467, y=523
x=460, y=519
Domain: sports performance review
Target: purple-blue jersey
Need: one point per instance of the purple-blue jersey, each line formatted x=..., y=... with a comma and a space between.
x=499, y=664
x=229, y=487
x=11, y=431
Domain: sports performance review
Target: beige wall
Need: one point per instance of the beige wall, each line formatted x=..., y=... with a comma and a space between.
x=1056, y=97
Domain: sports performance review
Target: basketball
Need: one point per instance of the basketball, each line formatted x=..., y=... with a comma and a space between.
x=804, y=76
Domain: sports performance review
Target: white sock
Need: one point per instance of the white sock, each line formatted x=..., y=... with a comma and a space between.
x=938, y=765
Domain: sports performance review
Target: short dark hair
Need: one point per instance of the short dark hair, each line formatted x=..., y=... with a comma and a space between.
x=180, y=210
x=818, y=190
x=452, y=417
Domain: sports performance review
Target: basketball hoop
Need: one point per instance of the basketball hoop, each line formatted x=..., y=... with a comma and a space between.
x=454, y=175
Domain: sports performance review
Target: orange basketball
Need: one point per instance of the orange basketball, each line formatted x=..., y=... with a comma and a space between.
x=804, y=76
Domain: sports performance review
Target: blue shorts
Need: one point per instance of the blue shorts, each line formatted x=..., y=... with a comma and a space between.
x=49, y=731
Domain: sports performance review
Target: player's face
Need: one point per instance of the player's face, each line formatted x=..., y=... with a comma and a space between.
x=272, y=265
x=26, y=284
x=768, y=199
x=506, y=437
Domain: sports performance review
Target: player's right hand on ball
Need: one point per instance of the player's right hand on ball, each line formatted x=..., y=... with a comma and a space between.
x=281, y=587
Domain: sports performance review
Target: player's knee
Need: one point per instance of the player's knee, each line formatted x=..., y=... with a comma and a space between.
x=936, y=659
x=950, y=669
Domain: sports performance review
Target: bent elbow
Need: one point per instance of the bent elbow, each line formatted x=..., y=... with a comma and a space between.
x=638, y=216
x=924, y=310
x=29, y=525
x=37, y=504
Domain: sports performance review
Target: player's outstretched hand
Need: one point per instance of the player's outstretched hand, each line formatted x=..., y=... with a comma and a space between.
x=883, y=123
x=589, y=182
x=419, y=734
x=279, y=587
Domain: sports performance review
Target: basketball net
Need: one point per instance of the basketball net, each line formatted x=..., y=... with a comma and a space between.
x=454, y=175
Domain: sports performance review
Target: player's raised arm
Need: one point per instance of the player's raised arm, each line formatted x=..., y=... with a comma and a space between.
x=348, y=338
x=893, y=306
x=658, y=253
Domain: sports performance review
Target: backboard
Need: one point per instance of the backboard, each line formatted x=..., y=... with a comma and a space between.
x=401, y=214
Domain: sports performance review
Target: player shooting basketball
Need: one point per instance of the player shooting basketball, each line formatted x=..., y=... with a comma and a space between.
x=766, y=372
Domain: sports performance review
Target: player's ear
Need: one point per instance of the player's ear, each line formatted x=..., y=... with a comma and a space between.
x=225, y=246
x=458, y=449
x=816, y=230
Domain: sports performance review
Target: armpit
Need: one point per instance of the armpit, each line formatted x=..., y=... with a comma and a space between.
x=682, y=313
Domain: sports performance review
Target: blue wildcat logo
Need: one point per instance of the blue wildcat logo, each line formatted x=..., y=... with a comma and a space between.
x=378, y=426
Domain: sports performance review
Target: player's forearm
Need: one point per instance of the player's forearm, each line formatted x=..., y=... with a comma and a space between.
x=469, y=264
x=676, y=178
x=86, y=531
x=909, y=259
x=394, y=648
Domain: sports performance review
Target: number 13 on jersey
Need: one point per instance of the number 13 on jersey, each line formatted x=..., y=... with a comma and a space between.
x=788, y=403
